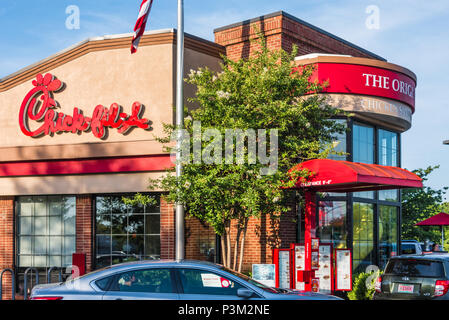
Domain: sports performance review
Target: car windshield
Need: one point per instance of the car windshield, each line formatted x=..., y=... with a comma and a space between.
x=415, y=268
x=254, y=282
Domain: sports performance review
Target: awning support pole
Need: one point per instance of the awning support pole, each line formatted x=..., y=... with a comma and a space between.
x=310, y=232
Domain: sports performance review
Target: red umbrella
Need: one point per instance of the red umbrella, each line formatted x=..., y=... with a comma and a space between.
x=441, y=219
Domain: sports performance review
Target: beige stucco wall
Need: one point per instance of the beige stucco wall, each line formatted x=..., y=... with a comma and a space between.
x=77, y=184
x=100, y=77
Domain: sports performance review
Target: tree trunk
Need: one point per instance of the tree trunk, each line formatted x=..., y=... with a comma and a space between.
x=242, y=246
x=228, y=243
x=236, y=246
x=223, y=249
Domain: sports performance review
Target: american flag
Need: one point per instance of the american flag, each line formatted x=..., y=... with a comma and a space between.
x=139, y=28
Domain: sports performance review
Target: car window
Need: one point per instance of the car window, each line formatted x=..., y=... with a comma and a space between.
x=415, y=268
x=148, y=280
x=196, y=281
x=408, y=248
x=103, y=283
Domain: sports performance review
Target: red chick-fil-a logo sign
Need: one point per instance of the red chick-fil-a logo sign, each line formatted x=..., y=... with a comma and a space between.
x=39, y=106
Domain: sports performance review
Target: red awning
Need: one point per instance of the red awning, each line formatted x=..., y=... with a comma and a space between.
x=343, y=176
x=441, y=219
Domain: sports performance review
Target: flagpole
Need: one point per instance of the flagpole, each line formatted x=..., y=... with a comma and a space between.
x=180, y=124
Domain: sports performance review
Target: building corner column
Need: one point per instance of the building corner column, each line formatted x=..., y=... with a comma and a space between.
x=6, y=243
x=85, y=228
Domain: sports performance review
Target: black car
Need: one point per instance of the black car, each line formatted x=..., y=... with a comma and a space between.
x=415, y=277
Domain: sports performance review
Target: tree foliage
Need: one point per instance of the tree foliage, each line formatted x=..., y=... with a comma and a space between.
x=420, y=204
x=261, y=92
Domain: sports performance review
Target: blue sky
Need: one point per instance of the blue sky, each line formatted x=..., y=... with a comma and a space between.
x=412, y=33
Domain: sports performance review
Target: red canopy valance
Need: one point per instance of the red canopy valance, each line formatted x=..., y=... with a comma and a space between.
x=344, y=176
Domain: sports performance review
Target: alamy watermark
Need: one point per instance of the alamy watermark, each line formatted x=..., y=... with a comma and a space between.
x=211, y=146
x=72, y=21
x=370, y=281
x=372, y=22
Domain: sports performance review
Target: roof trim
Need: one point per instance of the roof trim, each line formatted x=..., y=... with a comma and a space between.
x=329, y=58
x=107, y=42
x=311, y=26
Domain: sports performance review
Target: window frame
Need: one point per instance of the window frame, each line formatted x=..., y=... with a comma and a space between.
x=351, y=199
x=217, y=272
x=114, y=277
x=94, y=221
x=17, y=234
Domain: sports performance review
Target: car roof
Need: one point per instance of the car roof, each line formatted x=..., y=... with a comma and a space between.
x=166, y=262
x=425, y=256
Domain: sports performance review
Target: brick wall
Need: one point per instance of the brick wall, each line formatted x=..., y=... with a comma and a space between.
x=263, y=235
x=167, y=230
x=196, y=234
x=84, y=228
x=266, y=233
x=6, y=242
x=282, y=31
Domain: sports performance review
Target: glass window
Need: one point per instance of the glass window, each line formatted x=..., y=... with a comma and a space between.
x=124, y=232
x=339, y=143
x=364, y=194
x=363, y=143
x=149, y=281
x=388, y=233
x=332, y=223
x=389, y=195
x=388, y=154
x=388, y=148
x=46, y=231
x=363, y=236
x=205, y=282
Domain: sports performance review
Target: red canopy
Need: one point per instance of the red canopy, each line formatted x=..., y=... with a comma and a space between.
x=441, y=219
x=343, y=176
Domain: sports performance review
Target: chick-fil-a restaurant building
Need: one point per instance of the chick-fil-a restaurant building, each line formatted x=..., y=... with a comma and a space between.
x=78, y=133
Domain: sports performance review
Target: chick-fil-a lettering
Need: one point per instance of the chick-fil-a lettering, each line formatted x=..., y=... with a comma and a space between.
x=57, y=122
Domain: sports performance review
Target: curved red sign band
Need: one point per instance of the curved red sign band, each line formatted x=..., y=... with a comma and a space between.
x=366, y=80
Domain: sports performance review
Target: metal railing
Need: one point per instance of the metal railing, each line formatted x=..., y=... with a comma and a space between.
x=28, y=271
x=13, y=283
x=25, y=281
x=50, y=271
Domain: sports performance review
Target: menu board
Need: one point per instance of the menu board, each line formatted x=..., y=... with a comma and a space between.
x=284, y=269
x=343, y=270
x=315, y=260
x=265, y=274
x=315, y=243
x=300, y=264
x=324, y=273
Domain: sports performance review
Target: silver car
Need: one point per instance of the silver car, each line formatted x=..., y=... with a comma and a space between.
x=167, y=280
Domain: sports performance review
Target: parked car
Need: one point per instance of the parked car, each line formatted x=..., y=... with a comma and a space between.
x=414, y=277
x=411, y=247
x=167, y=280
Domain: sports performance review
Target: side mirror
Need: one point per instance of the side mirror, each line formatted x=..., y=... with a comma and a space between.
x=244, y=293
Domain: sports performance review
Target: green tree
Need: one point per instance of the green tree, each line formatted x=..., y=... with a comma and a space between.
x=263, y=92
x=420, y=204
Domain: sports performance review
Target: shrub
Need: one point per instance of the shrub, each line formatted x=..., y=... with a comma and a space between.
x=364, y=286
